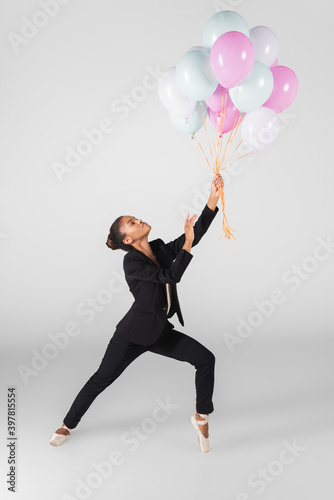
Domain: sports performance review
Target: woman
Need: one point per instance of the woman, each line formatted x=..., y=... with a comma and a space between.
x=152, y=270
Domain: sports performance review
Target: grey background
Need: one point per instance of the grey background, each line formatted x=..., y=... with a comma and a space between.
x=277, y=385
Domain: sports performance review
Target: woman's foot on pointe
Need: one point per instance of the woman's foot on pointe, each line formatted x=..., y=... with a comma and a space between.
x=59, y=436
x=205, y=426
x=201, y=425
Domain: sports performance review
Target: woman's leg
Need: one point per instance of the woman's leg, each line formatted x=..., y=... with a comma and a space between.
x=119, y=354
x=178, y=345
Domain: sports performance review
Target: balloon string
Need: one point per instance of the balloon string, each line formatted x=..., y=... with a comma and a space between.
x=216, y=147
x=249, y=153
x=217, y=127
x=218, y=136
x=225, y=227
x=206, y=131
x=239, y=121
x=223, y=113
x=216, y=166
x=231, y=137
x=227, y=143
x=217, y=162
x=194, y=136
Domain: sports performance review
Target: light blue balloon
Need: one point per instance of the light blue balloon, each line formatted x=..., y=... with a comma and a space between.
x=194, y=75
x=222, y=22
x=196, y=119
x=254, y=90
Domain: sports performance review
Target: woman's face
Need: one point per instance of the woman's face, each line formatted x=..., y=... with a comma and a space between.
x=135, y=229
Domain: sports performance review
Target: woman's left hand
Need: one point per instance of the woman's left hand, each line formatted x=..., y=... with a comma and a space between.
x=216, y=183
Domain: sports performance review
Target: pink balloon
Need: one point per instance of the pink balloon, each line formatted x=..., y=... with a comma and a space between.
x=215, y=100
x=285, y=89
x=232, y=57
x=275, y=63
x=230, y=118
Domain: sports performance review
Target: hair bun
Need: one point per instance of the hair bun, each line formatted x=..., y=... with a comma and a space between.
x=111, y=244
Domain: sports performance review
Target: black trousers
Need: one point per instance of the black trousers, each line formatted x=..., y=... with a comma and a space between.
x=121, y=352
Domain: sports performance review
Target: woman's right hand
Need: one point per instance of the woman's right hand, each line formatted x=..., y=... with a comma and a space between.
x=189, y=228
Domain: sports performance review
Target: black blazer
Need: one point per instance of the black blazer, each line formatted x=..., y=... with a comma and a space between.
x=146, y=318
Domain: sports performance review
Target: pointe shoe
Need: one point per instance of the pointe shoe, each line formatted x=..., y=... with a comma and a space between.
x=203, y=441
x=59, y=436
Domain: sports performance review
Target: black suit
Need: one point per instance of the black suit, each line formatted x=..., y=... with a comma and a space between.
x=145, y=326
x=145, y=320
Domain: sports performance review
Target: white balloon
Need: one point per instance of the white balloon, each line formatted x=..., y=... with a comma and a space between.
x=172, y=97
x=194, y=75
x=196, y=47
x=259, y=128
x=254, y=90
x=221, y=22
x=265, y=44
x=192, y=124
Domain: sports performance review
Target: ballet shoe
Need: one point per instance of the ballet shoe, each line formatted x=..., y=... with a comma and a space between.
x=59, y=436
x=202, y=440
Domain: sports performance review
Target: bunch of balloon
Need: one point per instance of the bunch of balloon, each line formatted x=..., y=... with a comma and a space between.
x=235, y=79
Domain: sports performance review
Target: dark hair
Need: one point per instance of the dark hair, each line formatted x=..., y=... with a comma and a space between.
x=115, y=237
